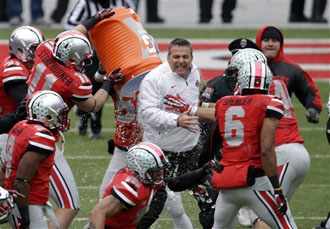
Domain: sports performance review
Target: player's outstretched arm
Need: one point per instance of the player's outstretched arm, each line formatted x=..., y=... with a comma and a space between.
x=188, y=180
x=91, y=22
x=107, y=207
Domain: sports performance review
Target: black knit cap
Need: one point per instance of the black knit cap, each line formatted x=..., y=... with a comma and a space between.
x=241, y=43
x=273, y=33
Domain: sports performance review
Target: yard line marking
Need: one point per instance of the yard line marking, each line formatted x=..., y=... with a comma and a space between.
x=79, y=219
x=317, y=156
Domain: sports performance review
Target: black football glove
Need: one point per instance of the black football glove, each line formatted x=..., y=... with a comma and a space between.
x=116, y=76
x=21, y=111
x=99, y=16
x=212, y=166
x=312, y=115
x=282, y=202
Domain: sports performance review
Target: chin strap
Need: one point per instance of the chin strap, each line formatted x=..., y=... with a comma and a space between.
x=62, y=141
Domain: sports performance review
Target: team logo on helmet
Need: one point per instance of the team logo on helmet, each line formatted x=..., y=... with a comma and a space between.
x=145, y=159
x=244, y=56
x=73, y=50
x=48, y=108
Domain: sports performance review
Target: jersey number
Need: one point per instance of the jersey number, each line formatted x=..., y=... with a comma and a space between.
x=283, y=94
x=234, y=128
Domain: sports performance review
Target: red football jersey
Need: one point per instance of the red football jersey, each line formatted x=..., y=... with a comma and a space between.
x=240, y=120
x=12, y=72
x=287, y=130
x=127, y=130
x=48, y=74
x=34, y=137
x=134, y=194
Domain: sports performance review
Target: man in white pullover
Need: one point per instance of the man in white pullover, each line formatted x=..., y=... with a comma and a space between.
x=178, y=76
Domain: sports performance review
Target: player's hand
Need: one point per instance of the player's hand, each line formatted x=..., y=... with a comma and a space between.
x=312, y=115
x=103, y=14
x=99, y=16
x=176, y=103
x=213, y=166
x=281, y=201
x=116, y=76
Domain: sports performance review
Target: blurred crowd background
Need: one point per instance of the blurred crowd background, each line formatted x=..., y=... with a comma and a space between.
x=183, y=13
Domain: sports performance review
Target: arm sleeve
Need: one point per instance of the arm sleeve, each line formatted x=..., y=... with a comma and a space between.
x=306, y=90
x=186, y=181
x=150, y=107
x=7, y=121
x=18, y=92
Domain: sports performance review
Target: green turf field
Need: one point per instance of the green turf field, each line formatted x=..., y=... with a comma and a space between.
x=89, y=158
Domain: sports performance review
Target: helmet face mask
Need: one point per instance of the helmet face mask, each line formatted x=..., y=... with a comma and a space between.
x=148, y=162
x=73, y=50
x=48, y=108
x=23, y=42
x=254, y=77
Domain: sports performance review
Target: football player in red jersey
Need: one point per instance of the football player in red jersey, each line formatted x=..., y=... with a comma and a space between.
x=14, y=72
x=30, y=156
x=128, y=196
x=247, y=124
x=59, y=66
x=293, y=159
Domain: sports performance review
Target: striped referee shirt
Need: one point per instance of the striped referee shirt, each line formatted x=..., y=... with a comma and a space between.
x=85, y=9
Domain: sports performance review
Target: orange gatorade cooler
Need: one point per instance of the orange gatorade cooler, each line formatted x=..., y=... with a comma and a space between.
x=121, y=41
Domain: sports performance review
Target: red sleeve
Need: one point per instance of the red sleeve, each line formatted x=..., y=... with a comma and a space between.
x=82, y=89
x=126, y=193
x=42, y=142
x=13, y=72
x=275, y=108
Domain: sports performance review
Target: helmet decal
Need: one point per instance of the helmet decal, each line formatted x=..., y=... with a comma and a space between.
x=145, y=158
x=48, y=108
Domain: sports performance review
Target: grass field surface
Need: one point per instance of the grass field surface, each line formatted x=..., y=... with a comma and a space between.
x=89, y=158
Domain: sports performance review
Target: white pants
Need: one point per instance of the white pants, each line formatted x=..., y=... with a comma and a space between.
x=118, y=161
x=293, y=164
x=63, y=188
x=174, y=208
x=37, y=215
x=258, y=197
